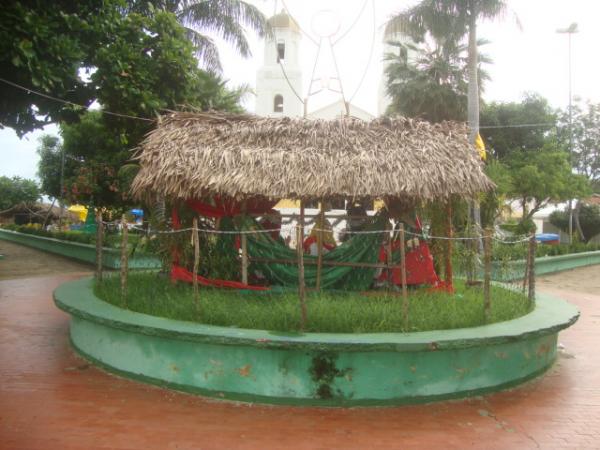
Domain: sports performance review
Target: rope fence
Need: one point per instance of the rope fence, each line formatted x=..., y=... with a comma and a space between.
x=478, y=266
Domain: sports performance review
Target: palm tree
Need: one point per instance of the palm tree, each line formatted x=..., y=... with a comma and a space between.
x=451, y=20
x=431, y=85
x=223, y=18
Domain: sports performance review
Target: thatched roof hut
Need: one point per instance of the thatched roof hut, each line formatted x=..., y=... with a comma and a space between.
x=191, y=155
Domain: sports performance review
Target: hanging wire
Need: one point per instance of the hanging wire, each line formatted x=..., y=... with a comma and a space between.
x=345, y=33
x=126, y=116
x=270, y=230
x=66, y=102
x=289, y=83
x=298, y=23
x=339, y=77
x=364, y=75
x=522, y=125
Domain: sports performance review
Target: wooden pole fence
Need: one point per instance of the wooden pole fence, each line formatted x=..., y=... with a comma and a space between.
x=124, y=260
x=531, y=270
x=244, y=246
x=301, y=281
x=487, y=255
x=325, y=263
x=388, y=251
x=99, y=243
x=320, y=245
x=449, y=233
x=403, y=277
x=196, y=241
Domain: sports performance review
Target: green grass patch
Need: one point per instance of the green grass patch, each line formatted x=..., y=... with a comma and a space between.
x=328, y=312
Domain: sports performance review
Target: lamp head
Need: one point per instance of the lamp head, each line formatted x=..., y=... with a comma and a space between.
x=570, y=29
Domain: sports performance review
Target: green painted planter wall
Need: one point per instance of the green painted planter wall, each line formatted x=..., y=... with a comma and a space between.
x=512, y=270
x=111, y=258
x=316, y=369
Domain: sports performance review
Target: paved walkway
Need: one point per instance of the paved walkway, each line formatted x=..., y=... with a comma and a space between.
x=52, y=399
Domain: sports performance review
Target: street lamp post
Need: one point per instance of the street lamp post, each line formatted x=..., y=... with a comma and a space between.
x=570, y=30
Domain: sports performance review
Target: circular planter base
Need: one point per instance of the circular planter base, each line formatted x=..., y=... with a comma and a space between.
x=314, y=368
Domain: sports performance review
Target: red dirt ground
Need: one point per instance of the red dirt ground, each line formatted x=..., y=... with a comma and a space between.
x=52, y=399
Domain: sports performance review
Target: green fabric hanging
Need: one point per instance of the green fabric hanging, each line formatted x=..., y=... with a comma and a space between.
x=360, y=248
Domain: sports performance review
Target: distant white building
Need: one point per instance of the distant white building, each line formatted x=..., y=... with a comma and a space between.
x=275, y=95
x=337, y=109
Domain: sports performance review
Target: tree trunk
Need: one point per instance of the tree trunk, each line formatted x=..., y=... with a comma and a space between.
x=473, y=92
x=473, y=101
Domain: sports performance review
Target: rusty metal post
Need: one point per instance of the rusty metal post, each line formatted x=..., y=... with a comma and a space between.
x=99, y=238
x=124, y=262
x=487, y=254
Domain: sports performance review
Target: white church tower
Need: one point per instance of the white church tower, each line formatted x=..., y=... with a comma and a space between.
x=274, y=95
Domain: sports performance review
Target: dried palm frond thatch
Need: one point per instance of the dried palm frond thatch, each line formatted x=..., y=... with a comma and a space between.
x=190, y=155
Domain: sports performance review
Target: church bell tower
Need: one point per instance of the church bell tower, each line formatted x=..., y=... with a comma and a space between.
x=277, y=96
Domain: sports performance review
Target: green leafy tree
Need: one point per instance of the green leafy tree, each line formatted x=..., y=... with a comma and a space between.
x=509, y=135
x=43, y=48
x=538, y=178
x=147, y=66
x=17, y=190
x=585, y=156
x=452, y=20
x=433, y=84
x=49, y=50
x=589, y=220
x=226, y=19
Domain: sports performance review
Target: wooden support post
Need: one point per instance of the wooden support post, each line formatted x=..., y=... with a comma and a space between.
x=449, y=235
x=196, y=241
x=244, y=245
x=403, y=277
x=531, y=270
x=487, y=255
x=301, y=281
x=124, y=263
x=321, y=224
x=99, y=238
x=388, y=251
x=526, y=274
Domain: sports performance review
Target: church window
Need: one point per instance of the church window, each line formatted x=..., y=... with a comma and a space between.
x=280, y=52
x=278, y=104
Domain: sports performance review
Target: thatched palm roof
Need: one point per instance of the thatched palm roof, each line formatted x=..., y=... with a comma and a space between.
x=194, y=154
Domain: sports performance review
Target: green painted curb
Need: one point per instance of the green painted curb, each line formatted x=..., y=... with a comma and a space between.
x=111, y=258
x=514, y=270
x=314, y=368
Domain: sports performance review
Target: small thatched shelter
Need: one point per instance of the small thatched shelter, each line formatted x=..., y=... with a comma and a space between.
x=203, y=158
x=191, y=155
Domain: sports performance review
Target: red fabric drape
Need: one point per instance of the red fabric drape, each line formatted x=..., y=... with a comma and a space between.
x=419, y=266
x=228, y=207
x=221, y=208
x=179, y=273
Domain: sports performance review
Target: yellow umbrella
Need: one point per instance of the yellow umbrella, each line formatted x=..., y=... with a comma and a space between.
x=80, y=210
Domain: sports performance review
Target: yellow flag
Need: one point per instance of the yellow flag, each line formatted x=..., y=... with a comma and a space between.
x=480, y=146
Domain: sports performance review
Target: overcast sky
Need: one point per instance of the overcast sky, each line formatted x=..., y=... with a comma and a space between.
x=533, y=58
